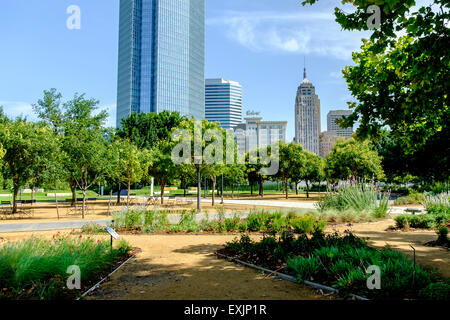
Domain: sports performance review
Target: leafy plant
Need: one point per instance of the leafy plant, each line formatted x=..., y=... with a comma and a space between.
x=305, y=268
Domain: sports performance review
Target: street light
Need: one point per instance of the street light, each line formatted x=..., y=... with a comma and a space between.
x=199, y=181
x=222, y=190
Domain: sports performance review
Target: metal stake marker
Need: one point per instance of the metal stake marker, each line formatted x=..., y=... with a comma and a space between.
x=414, y=273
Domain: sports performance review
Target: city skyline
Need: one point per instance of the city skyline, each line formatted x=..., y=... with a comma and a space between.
x=85, y=60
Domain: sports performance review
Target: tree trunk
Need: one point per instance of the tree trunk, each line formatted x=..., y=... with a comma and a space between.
x=128, y=192
x=232, y=190
x=73, y=189
x=307, y=189
x=15, y=192
x=32, y=195
x=296, y=188
x=118, y=193
x=251, y=188
x=56, y=201
x=162, y=192
x=84, y=204
x=261, y=188
x=213, y=179
x=286, y=189
x=109, y=202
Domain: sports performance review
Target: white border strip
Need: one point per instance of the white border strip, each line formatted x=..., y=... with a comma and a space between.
x=105, y=278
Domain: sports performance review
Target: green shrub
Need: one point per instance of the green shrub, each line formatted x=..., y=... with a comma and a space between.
x=423, y=221
x=242, y=226
x=439, y=204
x=231, y=224
x=307, y=224
x=305, y=268
x=436, y=291
x=442, y=236
x=92, y=228
x=402, y=221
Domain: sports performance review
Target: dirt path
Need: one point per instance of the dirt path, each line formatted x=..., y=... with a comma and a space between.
x=182, y=267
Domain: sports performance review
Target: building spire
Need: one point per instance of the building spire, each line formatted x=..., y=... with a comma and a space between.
x=304, y=69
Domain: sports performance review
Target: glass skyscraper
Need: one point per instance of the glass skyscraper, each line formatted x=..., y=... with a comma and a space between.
x=223, y=102
x=161, y=57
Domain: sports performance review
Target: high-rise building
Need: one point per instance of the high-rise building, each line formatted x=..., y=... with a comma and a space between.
x=161, y=57
x=327, y=141
x=258, y=133
x=307, y=116
x=223, y=102
x=332, y=126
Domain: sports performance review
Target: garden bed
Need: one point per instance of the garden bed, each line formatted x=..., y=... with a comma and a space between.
x=36, y=269
x=340, y=262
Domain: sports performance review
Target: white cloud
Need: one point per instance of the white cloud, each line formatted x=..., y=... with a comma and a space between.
x=111, y=121
x=300, y=32
x=15, y=109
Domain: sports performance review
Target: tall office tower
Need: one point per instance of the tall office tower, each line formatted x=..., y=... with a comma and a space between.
x=332, y=126
x=161, y=57
x=223, y=102
x=307, y=116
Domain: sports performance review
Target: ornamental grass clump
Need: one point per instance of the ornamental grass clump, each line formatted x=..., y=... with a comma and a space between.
x=37, y=268
x=356, y=198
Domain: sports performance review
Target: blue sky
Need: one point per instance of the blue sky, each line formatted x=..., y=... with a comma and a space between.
x=259, y=43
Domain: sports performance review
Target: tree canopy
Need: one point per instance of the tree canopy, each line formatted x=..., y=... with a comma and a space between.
x=400, y=78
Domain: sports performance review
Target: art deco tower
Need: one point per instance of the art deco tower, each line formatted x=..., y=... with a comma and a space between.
x=307, y=116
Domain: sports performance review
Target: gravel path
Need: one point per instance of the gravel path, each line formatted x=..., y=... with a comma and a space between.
x=183, y=267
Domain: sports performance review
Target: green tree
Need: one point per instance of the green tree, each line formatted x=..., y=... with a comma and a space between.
x=292, y=165
x=78, y=117
x=401, y=82
x=234, y=174
x=161, y=165
x=145, y=130
x=127, y=165
x=313, y=169
x=256, y=163
x=353, y=159
x=29, y=147
x=212, y=145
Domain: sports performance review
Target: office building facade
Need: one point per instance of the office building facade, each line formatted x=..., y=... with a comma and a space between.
x=258, y=133
x=161, y=57
x=223, y=102
x=307, y=116
x=327, y=140
x=332, y=126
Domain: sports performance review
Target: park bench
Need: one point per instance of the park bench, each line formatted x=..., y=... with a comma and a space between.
x=6, y=208
x=26, y=210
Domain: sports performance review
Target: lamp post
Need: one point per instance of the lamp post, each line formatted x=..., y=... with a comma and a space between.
x=199, y=182
x=221, y=202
